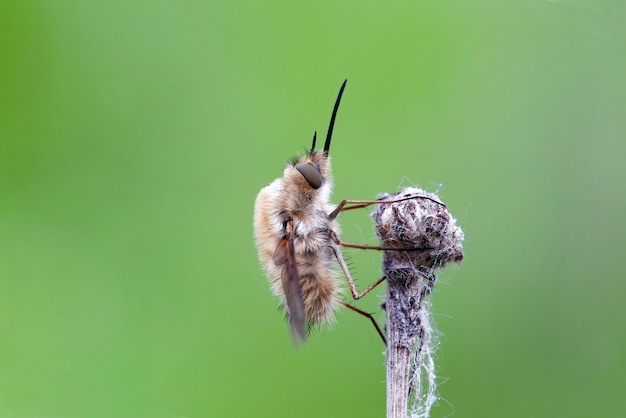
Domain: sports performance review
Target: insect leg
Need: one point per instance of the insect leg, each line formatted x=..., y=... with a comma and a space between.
x=359, y=204
x=355, y=293
x=368, y=315
x=336, y=240
x=344, y=267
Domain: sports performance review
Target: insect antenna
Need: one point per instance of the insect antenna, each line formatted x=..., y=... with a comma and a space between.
x=313, y=146
x=332, y=118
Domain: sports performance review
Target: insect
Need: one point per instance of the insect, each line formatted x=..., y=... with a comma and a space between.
x=297, y=237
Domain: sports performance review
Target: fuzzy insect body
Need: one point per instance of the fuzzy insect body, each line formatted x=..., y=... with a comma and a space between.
x=297, y=236
x=294, y=226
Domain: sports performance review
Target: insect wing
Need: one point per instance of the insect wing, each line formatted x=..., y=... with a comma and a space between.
x=292, y=290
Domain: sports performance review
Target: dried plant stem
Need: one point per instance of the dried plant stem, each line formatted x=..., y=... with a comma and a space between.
x=402, y=332
x=419, y=236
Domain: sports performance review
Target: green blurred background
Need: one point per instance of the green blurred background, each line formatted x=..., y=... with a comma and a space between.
x=135, y=136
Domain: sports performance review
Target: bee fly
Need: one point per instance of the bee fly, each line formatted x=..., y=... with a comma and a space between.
x=297, y=237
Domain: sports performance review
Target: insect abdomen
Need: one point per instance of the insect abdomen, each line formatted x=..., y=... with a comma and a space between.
x=319, y=291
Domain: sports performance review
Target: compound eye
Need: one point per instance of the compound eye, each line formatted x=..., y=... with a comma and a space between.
x=311, y=174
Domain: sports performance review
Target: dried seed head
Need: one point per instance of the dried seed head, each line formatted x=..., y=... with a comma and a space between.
x=420, y=223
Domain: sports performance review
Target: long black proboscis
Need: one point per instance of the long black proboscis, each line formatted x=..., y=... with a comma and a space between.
x=332, y=118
